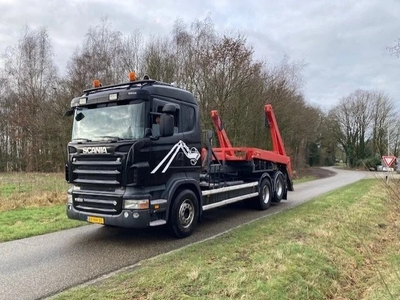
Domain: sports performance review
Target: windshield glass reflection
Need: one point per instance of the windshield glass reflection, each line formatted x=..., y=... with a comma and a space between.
x=112, y=122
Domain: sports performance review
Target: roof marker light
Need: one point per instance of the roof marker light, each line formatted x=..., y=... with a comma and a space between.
x=96, y=83
x=132, y=76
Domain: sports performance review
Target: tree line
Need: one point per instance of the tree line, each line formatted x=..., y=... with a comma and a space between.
x=219, y=69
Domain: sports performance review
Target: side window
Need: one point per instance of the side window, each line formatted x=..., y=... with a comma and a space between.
x=176, y=122
x=155, y=116
x=188, y=118
x=158, y=110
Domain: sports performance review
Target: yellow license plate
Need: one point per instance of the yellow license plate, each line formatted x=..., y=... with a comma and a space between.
x=95, y=220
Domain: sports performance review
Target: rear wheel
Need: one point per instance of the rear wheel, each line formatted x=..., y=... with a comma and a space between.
x=184, y=214
x=280, y=187
x=263, y=201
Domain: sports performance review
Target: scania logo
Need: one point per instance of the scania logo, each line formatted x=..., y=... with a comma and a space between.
x=94, y=150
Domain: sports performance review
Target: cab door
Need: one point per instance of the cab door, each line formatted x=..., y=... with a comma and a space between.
x=167, y=155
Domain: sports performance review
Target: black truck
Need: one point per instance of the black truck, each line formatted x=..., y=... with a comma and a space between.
x=136, y=160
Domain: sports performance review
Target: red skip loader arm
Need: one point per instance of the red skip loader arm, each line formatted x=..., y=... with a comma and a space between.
x=226, y=152
x=219, y=128
x=277, y=142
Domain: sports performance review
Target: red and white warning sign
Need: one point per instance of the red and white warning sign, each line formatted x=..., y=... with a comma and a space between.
x=388, y=160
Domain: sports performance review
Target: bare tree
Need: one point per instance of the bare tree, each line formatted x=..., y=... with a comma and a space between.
x=99, y=58
x=363, y=118
x=395, y=138
x=382, y=116
x=5, y=128
x=395, y=50
x=31, y=73
x=131, y=54
x=159, y=60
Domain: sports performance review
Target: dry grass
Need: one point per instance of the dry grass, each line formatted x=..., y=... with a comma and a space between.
x=388, y=267
x=32, y=204
x=22, y=190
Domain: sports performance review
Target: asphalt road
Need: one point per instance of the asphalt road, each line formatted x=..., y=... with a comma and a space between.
x=42, y=266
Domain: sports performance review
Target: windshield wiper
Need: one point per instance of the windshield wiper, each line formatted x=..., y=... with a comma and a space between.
x=111, y=138
x=81, y=140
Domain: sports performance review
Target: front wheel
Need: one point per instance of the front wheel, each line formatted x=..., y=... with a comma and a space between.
x=184, y=214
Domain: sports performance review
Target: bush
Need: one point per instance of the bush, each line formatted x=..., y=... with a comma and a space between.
x=369, y=163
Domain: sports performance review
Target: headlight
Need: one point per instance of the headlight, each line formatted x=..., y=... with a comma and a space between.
x=69, y=198
x=136, y=204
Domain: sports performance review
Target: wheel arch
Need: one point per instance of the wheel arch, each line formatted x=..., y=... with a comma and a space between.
x=268, y=177
x=289, y=181
x=176, y=187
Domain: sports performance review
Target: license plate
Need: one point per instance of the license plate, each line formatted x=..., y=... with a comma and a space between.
x=95, y=220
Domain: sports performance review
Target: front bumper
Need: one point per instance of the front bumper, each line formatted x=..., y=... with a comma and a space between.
x=127, y=218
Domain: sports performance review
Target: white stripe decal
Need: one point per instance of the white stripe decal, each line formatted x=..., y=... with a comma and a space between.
x=193, y=154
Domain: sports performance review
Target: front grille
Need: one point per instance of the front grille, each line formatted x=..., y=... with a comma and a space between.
x=97, y=170
x=104, y=204
x=98, y=176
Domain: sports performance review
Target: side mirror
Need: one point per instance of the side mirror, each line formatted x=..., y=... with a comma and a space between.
x=69, y=112
x=169, y=108
x=166, y=125
x=79, y=116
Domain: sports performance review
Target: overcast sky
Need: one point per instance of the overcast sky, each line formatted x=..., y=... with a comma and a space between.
x=343, y=43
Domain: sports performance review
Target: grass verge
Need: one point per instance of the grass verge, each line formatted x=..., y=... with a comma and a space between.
x=32, y=204
x=25, y=222
x=21, y=190
x=339, y=246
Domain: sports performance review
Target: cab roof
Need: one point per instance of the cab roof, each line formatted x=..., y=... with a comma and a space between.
x=152, y=87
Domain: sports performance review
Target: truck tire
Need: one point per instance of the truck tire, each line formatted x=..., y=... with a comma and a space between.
x=263, y=201
x=184, y=214
x=280, y=187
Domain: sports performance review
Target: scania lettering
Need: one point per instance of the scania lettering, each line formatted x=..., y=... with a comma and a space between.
x=136, y=159
x=90, y=150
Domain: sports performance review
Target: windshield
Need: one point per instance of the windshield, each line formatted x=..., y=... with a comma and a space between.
x=109, y=122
